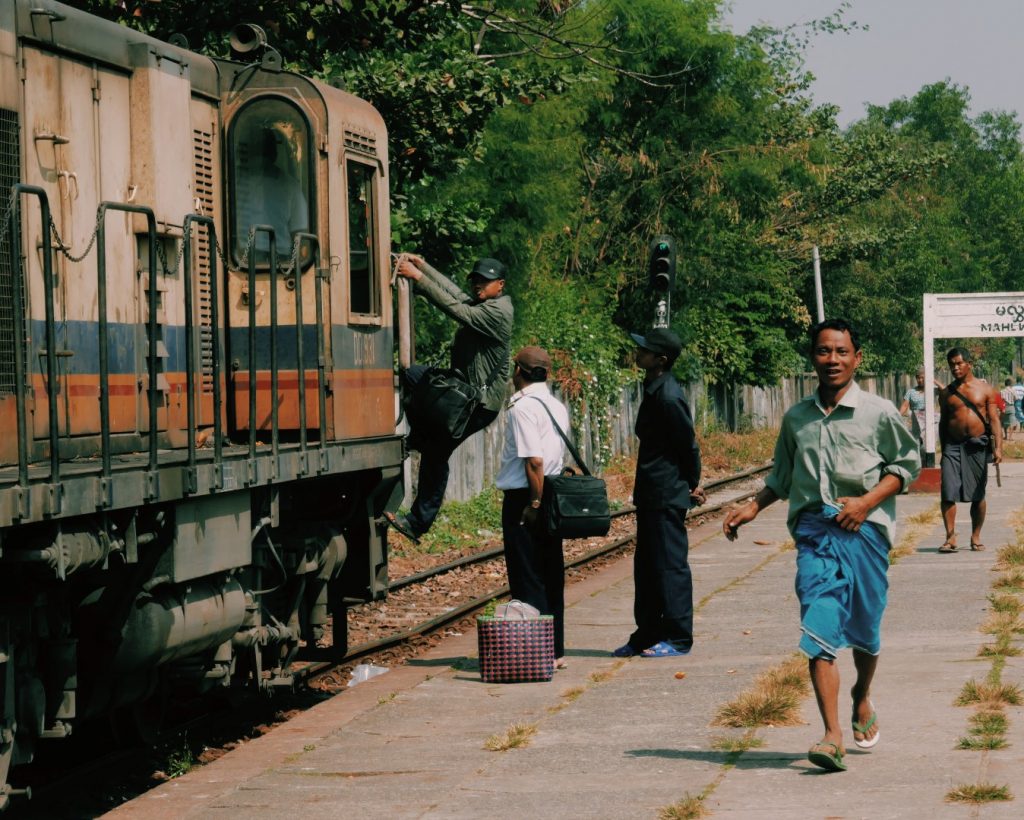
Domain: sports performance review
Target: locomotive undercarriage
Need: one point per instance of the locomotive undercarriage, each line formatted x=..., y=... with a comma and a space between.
x=108, y=614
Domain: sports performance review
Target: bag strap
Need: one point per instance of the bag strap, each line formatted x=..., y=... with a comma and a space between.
x=502, y=362
x=974, y=407
x=489, y=383
x=565, y=438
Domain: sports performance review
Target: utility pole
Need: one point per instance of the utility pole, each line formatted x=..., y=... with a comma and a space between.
x=817, y=285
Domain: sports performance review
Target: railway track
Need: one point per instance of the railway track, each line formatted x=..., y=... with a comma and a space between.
x=714, y=489
x=81, y=777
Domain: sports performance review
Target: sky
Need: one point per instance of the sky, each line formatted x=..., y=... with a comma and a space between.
x=909, y=44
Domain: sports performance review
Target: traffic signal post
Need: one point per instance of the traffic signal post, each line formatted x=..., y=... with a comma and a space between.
x=662, y=273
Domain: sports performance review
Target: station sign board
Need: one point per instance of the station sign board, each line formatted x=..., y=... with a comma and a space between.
x=973, y=315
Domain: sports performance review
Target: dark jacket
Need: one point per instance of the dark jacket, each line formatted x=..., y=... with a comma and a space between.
x=668, y=464
x=482, y=345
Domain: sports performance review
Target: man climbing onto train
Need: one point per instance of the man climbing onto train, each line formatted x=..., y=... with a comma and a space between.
x=480, y=352
x=842, y=456
x=971, y=434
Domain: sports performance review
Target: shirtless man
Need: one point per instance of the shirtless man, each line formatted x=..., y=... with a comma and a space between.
x=964, y=434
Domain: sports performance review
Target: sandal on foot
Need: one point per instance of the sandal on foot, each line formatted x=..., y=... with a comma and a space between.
x=947, y=547
x=976, y=547
x=663, y=649
x=827, y=756
x=625, y=651
x=400, y=525
x=864, y=728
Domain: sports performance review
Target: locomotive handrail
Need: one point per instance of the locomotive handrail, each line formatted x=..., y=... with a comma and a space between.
x=151, y=391
x=300, y=366
x=51, y=341
x=300, y=238
x=275, y=426
x=321, y=357
x=269, y=231
x=190, y=379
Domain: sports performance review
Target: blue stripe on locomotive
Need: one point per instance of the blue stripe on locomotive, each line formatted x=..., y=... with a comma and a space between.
x=127, y=347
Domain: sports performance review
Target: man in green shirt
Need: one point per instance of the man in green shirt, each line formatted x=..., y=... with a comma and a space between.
x=841, y=458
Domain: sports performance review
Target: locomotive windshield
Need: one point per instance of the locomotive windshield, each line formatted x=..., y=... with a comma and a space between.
x=270, y=177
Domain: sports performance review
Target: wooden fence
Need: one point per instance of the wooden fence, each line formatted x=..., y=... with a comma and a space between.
x=732, y=407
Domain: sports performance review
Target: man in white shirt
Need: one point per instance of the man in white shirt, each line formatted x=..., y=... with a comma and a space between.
x=533, y=449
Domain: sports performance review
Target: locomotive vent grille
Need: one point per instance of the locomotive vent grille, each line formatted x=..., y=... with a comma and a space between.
x=9, y=175
x=360, y=143
x=202, y=149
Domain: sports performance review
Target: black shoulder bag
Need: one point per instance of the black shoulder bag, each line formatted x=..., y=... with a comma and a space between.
x=990, y=443
x=574, y=505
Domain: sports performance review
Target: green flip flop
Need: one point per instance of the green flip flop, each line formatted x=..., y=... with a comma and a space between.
x=821, y=757
x=863, y=728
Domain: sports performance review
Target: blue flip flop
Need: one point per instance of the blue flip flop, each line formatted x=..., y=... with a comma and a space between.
x=664, y=650
x=625, y=651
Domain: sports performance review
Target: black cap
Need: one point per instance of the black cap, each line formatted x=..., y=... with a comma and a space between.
x=659, y=340
x=488, y=269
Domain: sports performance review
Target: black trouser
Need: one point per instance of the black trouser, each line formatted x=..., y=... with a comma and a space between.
x=536, y=569
x=663, y=602
x=432, y=478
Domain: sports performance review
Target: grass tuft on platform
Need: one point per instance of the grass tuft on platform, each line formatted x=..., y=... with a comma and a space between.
x=515, y=736
x=978, y=793
x=689, y=808
x=772, y=700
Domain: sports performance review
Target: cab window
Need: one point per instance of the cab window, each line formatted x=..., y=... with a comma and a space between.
x=362, y=230
x=271, y=180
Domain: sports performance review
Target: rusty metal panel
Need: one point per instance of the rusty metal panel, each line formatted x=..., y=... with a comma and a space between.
x=161, y=149
x=213, y=534
x=78, y=152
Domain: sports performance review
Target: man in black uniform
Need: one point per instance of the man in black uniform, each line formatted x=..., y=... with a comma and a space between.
x=667, y=478
x=480, y=350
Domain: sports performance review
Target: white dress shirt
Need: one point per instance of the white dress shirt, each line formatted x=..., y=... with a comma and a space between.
x=529, y=434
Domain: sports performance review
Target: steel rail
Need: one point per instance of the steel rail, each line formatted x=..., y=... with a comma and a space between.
x=486, y=555
x=361, y=650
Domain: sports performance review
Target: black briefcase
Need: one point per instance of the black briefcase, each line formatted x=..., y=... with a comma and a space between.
x=576, y=506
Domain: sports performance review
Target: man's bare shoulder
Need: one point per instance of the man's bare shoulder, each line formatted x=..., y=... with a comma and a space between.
x=979, y=391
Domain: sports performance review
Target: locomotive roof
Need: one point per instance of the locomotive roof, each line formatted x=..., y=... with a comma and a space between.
x=72, y=31
x=59, y=27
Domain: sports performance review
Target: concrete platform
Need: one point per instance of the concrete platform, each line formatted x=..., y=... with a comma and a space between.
x=624, y=739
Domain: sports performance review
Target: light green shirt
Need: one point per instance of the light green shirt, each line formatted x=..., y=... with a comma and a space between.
x=821, y=456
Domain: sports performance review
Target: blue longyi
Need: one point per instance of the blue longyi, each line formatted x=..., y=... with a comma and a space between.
x=841, y=583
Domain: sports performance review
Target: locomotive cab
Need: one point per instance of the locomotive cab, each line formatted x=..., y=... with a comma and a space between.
x=305, y=160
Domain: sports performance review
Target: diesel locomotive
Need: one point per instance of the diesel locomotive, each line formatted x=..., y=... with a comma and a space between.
x=197, y=392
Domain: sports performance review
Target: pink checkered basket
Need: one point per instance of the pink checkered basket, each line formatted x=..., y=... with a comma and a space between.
x=516, y=651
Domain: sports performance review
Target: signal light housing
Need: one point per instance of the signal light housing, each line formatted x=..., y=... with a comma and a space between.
x=662, y=265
